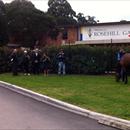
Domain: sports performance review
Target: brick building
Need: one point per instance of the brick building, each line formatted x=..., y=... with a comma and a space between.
x=109, y=33
x=98, y=34
x=68, y=35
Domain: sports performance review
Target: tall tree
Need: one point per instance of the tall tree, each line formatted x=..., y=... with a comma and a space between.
x=62, y=11
x=82, y=20
x=91, y=20
x=26, y=23
x=65, y=15
x=3, y=24
x=2, y=6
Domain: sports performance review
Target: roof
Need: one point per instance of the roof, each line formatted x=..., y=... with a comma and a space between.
x=97, y=24
x=108, y=23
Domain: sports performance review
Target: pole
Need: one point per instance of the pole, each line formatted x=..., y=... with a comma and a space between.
x=69, y=59
x=111, y=55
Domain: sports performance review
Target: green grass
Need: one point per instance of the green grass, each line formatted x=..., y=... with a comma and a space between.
x=98, y=93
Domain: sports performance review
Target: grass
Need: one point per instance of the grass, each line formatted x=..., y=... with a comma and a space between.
x=98, y=93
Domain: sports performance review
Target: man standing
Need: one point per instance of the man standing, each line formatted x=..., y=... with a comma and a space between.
x=36, y=61
x=26, y=61
x=61, y=62
x=120, y=54
x=118, y=67
x=14, y=61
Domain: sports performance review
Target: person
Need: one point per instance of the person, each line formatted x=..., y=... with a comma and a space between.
x=26, y=60
x=120, y=54
x=14, y=62
x=36, y=57
x=46, y=63
x=61, y=62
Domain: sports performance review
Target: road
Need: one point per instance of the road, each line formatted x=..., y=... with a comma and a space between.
x=18, y=112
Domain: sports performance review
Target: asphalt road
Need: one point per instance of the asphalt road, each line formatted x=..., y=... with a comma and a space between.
x=18, y=112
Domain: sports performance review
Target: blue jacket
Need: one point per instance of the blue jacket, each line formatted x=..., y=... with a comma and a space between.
x=119, y=55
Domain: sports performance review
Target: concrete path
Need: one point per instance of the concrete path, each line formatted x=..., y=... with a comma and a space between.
x=21, y=112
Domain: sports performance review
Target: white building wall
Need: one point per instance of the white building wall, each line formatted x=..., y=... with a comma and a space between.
x=105, y=32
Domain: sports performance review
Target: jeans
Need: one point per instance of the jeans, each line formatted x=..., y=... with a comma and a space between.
x=61, y=68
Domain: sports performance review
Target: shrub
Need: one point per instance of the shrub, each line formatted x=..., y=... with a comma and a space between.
x=85, y=60
x=80, y=59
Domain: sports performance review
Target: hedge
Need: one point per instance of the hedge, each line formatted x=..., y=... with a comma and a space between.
x=85, y=60
x=80, y=59
x=4, y=62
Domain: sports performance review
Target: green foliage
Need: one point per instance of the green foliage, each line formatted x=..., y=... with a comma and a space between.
x=65, y=15
x=79, y=59
x=60, y=8
x=62, y=11
x=28, y=24
x=4, y=61
x=22, y=23
x=84, y=20
x=85, y=60
x=3, y=25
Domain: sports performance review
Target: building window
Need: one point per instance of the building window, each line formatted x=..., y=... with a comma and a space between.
x=65, y=35
x=81, y=37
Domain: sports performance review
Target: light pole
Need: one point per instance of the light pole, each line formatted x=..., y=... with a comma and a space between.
x=111, y=54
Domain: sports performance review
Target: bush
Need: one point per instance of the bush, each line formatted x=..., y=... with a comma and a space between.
x=4, y=61
x=80, y=59
x=85, y=60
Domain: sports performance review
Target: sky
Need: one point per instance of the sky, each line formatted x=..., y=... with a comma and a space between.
x=103, y=10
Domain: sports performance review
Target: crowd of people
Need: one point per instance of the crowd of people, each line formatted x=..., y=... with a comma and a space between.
x=35, y=62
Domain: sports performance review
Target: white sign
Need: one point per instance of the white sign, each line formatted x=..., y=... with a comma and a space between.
x=105, y=32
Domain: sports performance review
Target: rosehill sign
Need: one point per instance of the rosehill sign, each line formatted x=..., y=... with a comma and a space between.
x=104, y=32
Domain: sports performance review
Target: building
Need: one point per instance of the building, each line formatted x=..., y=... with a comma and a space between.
x=116, y=33
x=110, y=33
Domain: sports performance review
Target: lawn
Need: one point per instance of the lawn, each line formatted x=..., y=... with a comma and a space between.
x=98, y=93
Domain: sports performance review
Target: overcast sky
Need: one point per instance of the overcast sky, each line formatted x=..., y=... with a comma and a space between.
x=103, y=10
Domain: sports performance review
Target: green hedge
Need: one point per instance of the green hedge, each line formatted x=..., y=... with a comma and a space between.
x=79, y=59
x=4, y=61
x=85, y=60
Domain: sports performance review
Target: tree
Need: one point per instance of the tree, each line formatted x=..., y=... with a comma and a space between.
x=82, y=20
x=2, y=6
x=62, y=11
x=26, y=23
x=3, y=24
x=60, y=8
x=91, y=20
x=65, y=15
x=18, y=14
